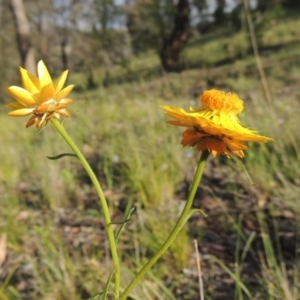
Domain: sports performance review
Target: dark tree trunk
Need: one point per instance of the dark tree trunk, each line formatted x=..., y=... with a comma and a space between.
x=236, y=17
x=63, y=47
x=23, y=35
x=173, y=45
x=219, y=14
x=264, y=5
x=291, y=4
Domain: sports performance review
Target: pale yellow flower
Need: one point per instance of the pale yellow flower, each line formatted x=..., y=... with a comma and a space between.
x=39, y=97
x=214, y=126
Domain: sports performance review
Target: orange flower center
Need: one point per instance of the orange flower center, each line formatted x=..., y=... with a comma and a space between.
x=222, y=102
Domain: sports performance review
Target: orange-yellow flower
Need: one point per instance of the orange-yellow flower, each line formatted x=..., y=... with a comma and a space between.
x=214, y=126
x=39, y=97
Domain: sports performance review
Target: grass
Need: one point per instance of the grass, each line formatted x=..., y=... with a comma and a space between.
x=57, y=247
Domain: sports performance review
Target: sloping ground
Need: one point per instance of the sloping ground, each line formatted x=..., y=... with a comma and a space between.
x=233, y=255
x=248, y=242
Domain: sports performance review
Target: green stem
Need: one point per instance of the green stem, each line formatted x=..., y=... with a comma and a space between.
x=111, y=237
x=181, y=221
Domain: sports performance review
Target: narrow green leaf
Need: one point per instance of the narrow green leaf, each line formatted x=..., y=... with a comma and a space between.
x=123, y=223
x=107, y=285
x=194, y=210
x=104, y=294
x=233, y=276
x=95, y=297
x=191, y=212
x=238, y=161
x=60, y=156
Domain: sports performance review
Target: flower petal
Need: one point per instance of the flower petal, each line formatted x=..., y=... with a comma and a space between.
x=21, y=112
x=190, y=137
x=62, y=94
x=44, y=75
x=66, y=100
x=47, y=93
x=253, y=138
x=43, y=108
x=21, y=95
x=31, y=121
x=64, y=112
x=15, y=105
x=59, y=106
x=29, y=81
x=59, y=83
x=215, y=146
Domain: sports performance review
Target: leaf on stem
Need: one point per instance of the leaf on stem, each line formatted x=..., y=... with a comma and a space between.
x=107, y=284
x=95, y=297
x=126, y=220
x=60, y=156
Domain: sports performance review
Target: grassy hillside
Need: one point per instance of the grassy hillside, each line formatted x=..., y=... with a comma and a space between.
x=56, y=244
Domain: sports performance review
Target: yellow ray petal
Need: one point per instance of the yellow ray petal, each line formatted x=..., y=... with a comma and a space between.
x=14, y=105
x=62, y=94
x=59, y=83
x=59, y=107
x=254, y=138
x=21, y=95
x=43, y=108
x=29, y=81
x=21, y=112
x=66, y=100
x=44, y=75
x=47, y=93
x=234, y=145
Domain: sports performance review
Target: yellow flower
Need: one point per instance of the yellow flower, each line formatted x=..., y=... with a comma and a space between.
x=214, y=126
x=40, y=97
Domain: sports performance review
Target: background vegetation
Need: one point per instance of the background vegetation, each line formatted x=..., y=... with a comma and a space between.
x=52, y=239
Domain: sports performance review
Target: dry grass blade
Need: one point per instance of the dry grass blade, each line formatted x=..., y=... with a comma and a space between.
x=199, y=270
x=2, y=248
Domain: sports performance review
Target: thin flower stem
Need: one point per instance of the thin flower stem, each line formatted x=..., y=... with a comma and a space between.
x=111, y=237
x=181, y=221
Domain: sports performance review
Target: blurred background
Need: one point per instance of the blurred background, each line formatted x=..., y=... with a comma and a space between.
x=126, y=57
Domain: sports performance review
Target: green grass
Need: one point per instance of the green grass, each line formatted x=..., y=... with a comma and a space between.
x=56, y=241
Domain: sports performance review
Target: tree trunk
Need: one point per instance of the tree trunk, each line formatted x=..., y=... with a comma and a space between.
x=219, y=14
x=23, y=35
x=173, y=45
x=64, y=47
